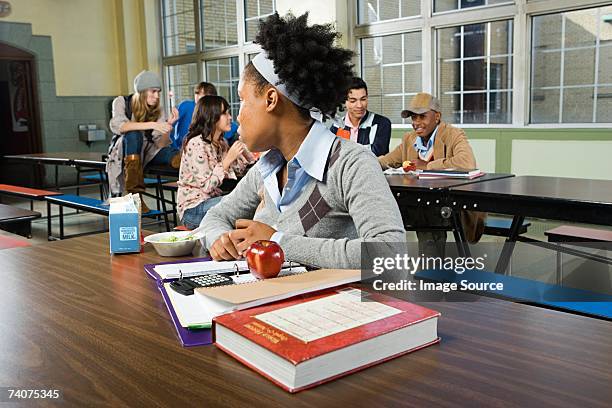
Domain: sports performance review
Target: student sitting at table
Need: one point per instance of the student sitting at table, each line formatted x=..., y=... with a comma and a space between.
x=434, y=145
x=207, y=160
x=320, y=197
x=141, y=132
x=360, y=125
x=185, y=111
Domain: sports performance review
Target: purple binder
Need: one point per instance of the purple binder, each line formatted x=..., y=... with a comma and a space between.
x=188, y=338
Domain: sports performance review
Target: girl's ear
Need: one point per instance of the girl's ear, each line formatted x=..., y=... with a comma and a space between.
x=272, y=98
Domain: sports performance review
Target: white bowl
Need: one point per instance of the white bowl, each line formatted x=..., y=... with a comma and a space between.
x=177, y=248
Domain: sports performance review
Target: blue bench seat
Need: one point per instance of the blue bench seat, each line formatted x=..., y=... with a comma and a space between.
x=88, y=204
x=149, y=181
x=526, y=290
x=501, y=226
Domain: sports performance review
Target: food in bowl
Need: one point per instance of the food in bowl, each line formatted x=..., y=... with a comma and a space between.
x=174, y=243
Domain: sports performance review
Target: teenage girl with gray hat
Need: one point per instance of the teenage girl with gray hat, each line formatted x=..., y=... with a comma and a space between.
x=141, y=136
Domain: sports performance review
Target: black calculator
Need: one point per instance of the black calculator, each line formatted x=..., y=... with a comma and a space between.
x=187, y=285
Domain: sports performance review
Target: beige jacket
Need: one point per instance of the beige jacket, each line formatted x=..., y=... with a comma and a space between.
x=451, y=150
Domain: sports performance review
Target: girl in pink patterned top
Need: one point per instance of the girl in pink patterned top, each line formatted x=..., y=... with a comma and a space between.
x=207, y=160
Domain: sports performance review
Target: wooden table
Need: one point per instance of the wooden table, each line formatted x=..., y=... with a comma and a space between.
x=94, y=326
x=554, y=198
x=82, y=161
x=411, y=192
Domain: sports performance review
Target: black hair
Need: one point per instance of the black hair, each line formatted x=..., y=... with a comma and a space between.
x=358, y=83
x=306, y=61
x=206, y=114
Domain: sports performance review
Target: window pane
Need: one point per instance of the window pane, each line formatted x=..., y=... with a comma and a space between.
x=412, y=78
x=579, y=67
x=604, y=72
x=578, y=28
x=254, y=11
x=500, y=107
x=467, y=63
x=474, y=108
x=370, y=11
x=391, y=66
x=451, y=108
x=501, y=41
x=500, y=73
x=545, y=106
x=546, y=32
x=449, y=76
x=546, y=69
x=474, y=36
x=392, y=80
x=570, y=58
x=474, y=75
x=392, y=106
x=577, y=105
x=180, y=79
x=223, y=73
x=446, y=5
x=219, y=23
x=410, y=8
x=392, y=49
x=178, y=27
x=604, y=105
x=449, y=42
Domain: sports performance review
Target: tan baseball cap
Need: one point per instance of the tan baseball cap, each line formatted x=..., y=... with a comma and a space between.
x=421, y=103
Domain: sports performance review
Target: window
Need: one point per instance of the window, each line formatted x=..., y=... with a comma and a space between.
x=210, y=44
x=219, y=23
x=179, y=27
x=370, y=11
x=475, y=72
x=254, y=11
x=447, y=5
x=180, y=80
x=224, y=74
x=571, y=67
x=391, y=66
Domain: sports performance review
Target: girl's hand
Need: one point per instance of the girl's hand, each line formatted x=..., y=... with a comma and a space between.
x=161, y=127
x=174, y=115
x=233, y=153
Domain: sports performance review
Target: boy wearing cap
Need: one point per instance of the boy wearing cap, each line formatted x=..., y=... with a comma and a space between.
x=360, y=125
x=141, y=132
x=434, y=145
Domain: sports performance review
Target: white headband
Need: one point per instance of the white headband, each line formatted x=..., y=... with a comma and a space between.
x=265, y=67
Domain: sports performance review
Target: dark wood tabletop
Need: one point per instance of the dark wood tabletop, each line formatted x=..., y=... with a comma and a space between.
x=10, y=213
x=92, y=325
x=559, y=198
x=405, y=182
x=58, y=157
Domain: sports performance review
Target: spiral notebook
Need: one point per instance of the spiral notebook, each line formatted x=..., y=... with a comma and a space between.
x=190, y=317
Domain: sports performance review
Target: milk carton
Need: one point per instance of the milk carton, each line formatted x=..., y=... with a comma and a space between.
x=124, y=225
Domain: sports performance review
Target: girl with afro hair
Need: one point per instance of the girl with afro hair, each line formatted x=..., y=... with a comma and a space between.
x=317, y=195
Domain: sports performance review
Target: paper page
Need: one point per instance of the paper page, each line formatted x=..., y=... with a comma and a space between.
x=333, y=314
x=247, y=277
x=188, y=309
x=188, y=269
x=198, y=268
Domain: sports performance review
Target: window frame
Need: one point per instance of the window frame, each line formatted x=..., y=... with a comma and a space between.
x=520, y=12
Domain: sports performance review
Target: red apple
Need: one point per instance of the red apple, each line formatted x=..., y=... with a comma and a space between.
x=265, y=259
x=408, y=165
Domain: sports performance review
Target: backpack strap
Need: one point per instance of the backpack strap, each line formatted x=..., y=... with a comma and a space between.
x=128, y=106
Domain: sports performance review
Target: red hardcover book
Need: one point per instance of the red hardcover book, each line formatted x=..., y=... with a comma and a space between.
x=307, y=340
